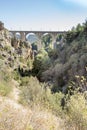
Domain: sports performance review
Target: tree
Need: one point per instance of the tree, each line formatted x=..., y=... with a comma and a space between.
x=41, y=63
x=59, y=37
x=79, y=28
x=47, y=39
x=34, y=46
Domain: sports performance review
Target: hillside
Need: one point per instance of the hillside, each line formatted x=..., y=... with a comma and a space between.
x=45, y=91
x=67, y=60
x=16, y=111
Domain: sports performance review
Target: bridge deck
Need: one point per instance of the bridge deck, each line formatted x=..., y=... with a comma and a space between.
x=37, y=31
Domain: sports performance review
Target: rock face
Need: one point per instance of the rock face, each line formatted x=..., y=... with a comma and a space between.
x=1, y=26
x=5, y=38
x=14, y=52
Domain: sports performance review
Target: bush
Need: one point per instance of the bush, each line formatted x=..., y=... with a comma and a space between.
x=13, y=116
x=31, y=90
x=5, y=89
x=5, y=80
x=77, y=112
x=7, y=48
x=41, y=63
x=5, y=74
x=16, y=75
x=1, y=57
x=55, y=103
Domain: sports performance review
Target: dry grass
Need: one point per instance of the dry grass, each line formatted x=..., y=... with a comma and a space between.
x=14, y=116
x=42, y=119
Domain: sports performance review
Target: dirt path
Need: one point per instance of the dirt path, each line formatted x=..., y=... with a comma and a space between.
x=14, y=95
x=14, y=116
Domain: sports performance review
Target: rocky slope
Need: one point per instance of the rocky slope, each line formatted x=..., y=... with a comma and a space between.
x=13, y=115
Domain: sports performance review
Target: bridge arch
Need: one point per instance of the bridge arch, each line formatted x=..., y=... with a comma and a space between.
x=31, y=37
x=46, y=39
x=18, y=35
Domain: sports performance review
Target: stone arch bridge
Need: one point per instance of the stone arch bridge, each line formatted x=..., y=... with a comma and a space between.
x=39, y=34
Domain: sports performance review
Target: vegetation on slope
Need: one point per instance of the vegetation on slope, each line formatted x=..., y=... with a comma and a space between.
x=53, y=84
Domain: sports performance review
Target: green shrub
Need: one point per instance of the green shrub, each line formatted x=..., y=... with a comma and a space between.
x=21, y=59
x=30, y=63
x=77, y=112
x=7, y=48
x=4, y=88
x=16, y=75
x=5, y=74
x=31, y=90
x=55, y=103
x=1, y=57
x=41, y=63
x=29, y=127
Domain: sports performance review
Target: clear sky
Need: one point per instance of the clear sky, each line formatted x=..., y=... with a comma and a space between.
x=42, y=14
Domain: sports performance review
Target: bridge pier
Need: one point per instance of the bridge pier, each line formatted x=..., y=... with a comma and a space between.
x=39, y=35
x=23, y=36
x=54, y=37
x=14, y=34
